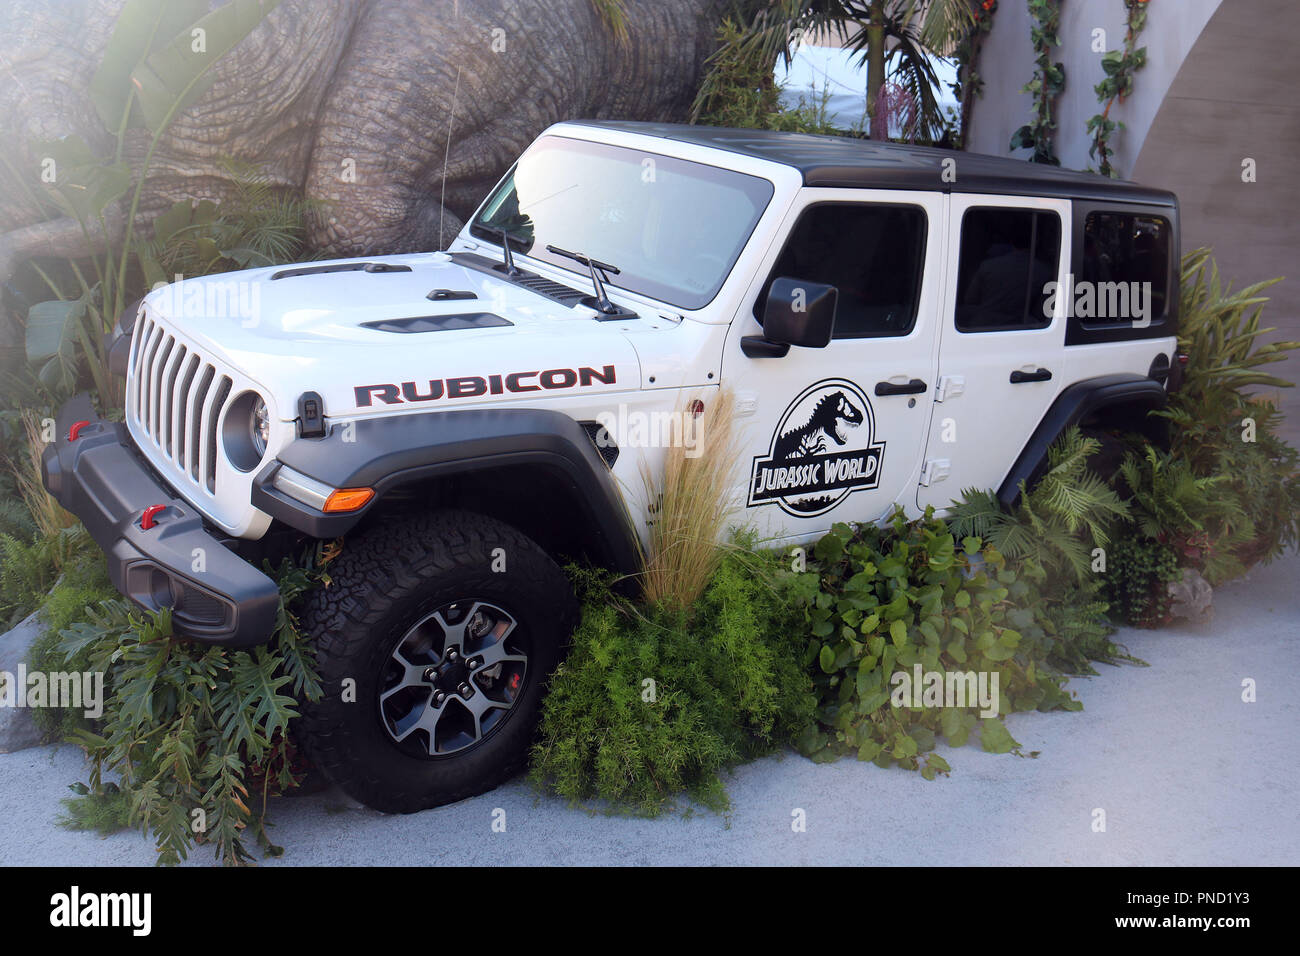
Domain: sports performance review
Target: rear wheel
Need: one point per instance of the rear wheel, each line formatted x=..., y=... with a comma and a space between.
x=433, y=642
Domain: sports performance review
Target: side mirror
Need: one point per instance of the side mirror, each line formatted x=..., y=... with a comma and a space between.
x=797, y=313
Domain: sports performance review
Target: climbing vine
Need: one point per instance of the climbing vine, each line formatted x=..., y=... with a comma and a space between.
x=1046, y=85
x=969, y=83
x=1119, y=66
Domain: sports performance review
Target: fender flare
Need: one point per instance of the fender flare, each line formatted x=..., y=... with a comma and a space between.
x=390, y=451
x=1075, y=403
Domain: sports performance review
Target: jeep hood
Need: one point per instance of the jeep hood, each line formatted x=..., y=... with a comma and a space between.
x=312, y=327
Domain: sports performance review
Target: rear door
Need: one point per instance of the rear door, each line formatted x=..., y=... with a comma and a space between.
x=1002, y=339
x=836, y=434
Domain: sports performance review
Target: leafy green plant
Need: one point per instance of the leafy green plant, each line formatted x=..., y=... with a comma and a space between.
x=743, y=93
x=1138, y=574
x=1219, y=425
x=881, y=603
x=1068, y=512
x=1119, y=67
x=897, y=37
x=1195, y=516
x=655, y=702
x=1052, y=537
x=260, y=225
x=969, y=85
x=149, y=74
x=83, y=585
x=1046, y=85
x=194, y=732
x=29, y=568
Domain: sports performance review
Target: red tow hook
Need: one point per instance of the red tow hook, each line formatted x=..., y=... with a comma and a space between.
x=146, y=519
x=75, y=430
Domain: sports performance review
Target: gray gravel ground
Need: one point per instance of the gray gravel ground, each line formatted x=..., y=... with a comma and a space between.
x=1187, y=773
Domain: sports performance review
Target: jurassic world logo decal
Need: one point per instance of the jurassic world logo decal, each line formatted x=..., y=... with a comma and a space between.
x=822, y=451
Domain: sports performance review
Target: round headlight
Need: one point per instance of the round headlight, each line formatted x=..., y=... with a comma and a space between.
x=259, y=422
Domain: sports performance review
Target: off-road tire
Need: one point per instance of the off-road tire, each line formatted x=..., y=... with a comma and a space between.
x=386, y=579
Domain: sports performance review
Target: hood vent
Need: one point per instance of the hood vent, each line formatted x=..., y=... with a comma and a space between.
x=552, y=290
x=555, y=291
x=439, y=323
x=339, y=267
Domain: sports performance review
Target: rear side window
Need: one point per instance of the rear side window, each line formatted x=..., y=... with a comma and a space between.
x=1008, y=256
x=1126, y=266
x=872, y=253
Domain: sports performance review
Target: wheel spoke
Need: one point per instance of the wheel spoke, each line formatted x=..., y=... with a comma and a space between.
x=478, y=706
x=496, y=653
x=427, y=721
x=456, y=632
x=412, y=676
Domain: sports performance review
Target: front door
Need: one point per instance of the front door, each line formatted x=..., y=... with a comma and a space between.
x=837, y=434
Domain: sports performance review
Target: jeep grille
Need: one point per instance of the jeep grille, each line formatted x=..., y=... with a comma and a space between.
x=175, y=396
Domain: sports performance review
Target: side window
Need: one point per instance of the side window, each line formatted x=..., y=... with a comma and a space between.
x=1125, y=256
x=872, y=253
x=1008, y=256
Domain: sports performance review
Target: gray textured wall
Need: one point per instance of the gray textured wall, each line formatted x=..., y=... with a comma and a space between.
x=1219, y=87
x=1006, y=64
x=1235, y=98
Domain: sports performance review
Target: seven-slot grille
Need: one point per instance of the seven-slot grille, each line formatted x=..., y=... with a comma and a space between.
x=175, y=396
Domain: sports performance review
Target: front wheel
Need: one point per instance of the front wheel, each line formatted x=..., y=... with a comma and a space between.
x=433, y=642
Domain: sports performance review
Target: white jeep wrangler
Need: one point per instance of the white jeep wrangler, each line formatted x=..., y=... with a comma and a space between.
x=894, y=324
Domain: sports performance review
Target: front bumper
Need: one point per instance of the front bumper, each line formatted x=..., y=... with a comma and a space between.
x=215, y=596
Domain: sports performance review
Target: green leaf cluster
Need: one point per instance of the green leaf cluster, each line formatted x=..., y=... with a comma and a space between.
x=880, y=601
x=1223, y=404
x=193, y=733
x=1118, y=68
x=1047, y=83
x=652, y=703
x=158, y=63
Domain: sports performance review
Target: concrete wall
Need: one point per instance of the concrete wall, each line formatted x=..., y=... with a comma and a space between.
x=1006, y=64
x=1235, y=98
x=1219, y=87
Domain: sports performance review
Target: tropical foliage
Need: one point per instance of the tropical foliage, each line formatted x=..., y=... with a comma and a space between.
x=150, y=72
x=897, y=38
x=197, y=736
x=1117, y=84
x=1046, y=85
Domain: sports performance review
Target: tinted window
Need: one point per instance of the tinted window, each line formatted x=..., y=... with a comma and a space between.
x=873, y=254
x=1007, y=258
x=673, y=228
x=1124, y=248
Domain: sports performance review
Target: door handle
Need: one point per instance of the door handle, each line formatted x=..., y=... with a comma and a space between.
x=914, y=387
x=1042, y=375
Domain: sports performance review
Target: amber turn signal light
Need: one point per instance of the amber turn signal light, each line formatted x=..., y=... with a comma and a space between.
x=347, y=499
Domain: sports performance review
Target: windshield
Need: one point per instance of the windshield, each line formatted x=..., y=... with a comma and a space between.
x=673, y=228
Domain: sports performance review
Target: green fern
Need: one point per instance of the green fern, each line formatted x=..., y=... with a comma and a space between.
x=194, y=731
x=1058, y=523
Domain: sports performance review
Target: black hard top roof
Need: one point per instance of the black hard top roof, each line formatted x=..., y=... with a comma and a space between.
x=859, y=163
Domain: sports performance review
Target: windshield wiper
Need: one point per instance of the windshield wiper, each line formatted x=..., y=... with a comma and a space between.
x=603, y=304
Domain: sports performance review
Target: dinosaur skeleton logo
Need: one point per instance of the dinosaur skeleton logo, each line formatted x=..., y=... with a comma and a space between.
x=822, y=451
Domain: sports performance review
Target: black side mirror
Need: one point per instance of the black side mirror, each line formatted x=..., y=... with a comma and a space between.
x=797, y=313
